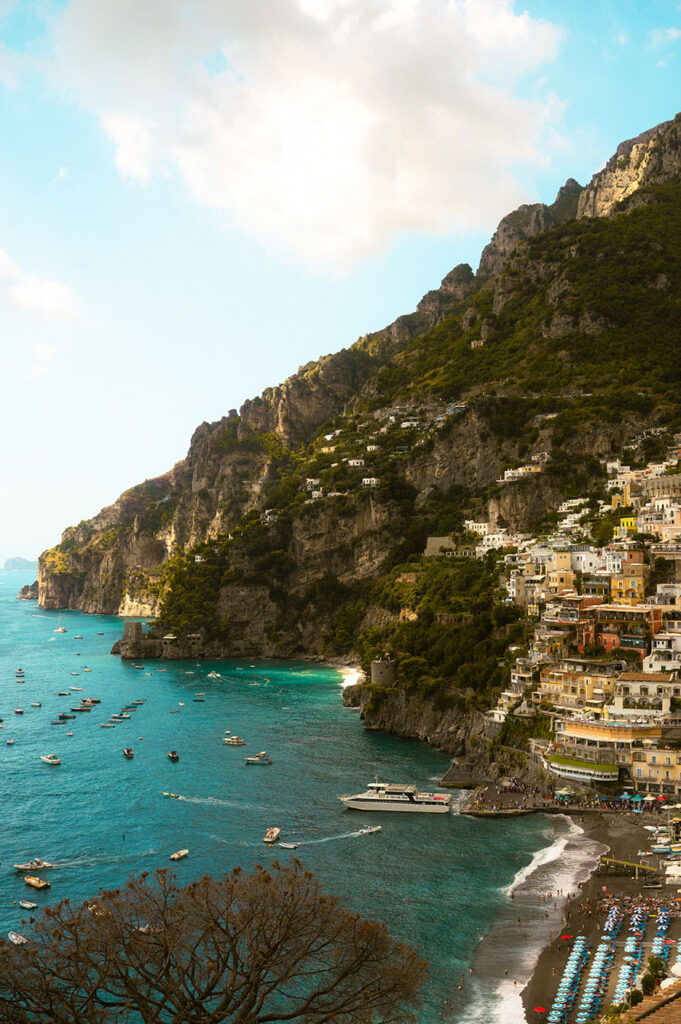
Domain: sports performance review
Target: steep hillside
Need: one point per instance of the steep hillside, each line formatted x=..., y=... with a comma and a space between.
x=278, y=533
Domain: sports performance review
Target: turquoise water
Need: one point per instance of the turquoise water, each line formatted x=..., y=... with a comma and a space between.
x=439, y=882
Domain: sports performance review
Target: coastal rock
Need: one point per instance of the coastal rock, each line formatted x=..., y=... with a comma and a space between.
x=29, y=592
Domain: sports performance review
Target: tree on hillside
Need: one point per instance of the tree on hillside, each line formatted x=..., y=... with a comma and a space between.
x=256, y=948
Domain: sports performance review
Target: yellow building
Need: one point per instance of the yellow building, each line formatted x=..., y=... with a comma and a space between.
x=657, y=770
x=627, y=528
x=629, y=587
x=577, y=684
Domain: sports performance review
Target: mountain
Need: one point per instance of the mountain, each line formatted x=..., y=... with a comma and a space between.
x=14, y=564
x=287, y=528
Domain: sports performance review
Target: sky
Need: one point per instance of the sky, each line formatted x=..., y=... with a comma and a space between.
x=199, y=196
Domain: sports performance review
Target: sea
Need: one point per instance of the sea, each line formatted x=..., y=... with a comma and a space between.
x=442, y=883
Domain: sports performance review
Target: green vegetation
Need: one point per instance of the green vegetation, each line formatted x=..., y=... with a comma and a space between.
x=575, y=762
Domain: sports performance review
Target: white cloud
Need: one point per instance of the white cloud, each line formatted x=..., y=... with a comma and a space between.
x=661, y=36
x=325, y=126
x=43, y=354
x=48, y=299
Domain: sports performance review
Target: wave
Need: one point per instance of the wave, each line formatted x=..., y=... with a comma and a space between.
x=557, y=868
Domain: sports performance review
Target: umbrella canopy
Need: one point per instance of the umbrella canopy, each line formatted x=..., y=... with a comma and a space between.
x=662, y=798
x=648, y=798
x=638, y=797
x=540, y=1009
x=625, y=796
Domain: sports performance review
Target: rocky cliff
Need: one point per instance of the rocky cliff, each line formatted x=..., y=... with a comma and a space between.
x=270, y=534
x=652, y=158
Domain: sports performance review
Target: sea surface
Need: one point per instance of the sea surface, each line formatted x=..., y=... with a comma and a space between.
x=440, y=882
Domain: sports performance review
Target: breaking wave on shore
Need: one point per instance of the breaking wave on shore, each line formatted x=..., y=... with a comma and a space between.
x=526, y=924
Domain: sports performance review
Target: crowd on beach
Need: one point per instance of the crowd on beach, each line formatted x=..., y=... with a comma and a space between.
x=520, y=797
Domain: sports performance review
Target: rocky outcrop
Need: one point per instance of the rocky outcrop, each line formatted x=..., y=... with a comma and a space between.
x=523, y=223
x=652, y=158
x=28, y=592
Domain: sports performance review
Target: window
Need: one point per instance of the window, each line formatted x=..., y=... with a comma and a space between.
x=653, y=759
x=639, y=772
x=667, y=760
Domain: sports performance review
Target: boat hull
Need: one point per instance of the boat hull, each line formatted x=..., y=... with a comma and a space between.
x=358, y=804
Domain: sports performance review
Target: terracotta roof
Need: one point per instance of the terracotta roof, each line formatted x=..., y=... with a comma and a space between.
x=645, y=677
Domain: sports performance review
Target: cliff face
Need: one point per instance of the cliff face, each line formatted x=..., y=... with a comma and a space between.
x=480, y=342
x=652, y=158
x=523, y=223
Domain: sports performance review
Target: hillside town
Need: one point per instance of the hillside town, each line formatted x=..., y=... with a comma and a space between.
x=603, y=661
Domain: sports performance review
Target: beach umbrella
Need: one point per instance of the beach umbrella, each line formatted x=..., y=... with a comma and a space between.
x=648, y=798
x=540, y=1009
x=569, y=936
x=625, y=796
x=637, y=797
x=662, y=798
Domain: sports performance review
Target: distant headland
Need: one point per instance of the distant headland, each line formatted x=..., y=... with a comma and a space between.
x=14, y=564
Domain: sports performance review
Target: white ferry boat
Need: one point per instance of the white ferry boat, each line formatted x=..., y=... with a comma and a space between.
x=390, y=796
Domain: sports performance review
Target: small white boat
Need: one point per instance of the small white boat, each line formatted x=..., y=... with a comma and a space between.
x=214, y=675
x=179, y=855
x=86, y=669
x=50, y=758
x=271, y=835
x=16, y=938
x=77, y=636
x=10, y=742
x=234, y=741
x=368, y=829
x=36, y=704
x=289, y=846
x=76, y=689
x=69, y=734
x=33, y=865
x=27, y=905
x=261, y=758
x=60, y=629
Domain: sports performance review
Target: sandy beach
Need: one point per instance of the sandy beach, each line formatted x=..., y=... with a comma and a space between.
x=624, y=835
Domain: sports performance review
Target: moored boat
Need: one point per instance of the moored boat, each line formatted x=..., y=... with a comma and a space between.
x=179, y=855
x=261, y=758
x=173, y=755
x=234, y=741
x=16, y=938
x=37, y=883
x=50, y=758
x=27, y=905
x=389, y=796
x=271, y=835
x=128, y=752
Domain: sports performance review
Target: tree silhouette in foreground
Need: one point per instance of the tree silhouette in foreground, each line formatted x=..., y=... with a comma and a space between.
x=255, y=948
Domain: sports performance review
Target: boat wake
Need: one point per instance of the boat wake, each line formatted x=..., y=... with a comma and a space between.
x=81, y=862
x=329, y=839
x=213, y=801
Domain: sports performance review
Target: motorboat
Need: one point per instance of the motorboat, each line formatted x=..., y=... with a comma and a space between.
x=179, y=855
x=69, y=734
x=10, y=742
x=77, y=636
x=36, y=704
x=34, y=865
x=18, y=711
x=76, y=689
x=368, y=829
x=261, y=758
x=16, y=938
x=173, y=755
x=60, y=629
x=389, y=796
x=86, y=669
x=108, y=725
x=50, y=758
x=129, y=752
x=37, y=883
x=214, y=675
x=64, y=717
x=90, y=700
x=198, y=700
x=59, y=721
x=271, y=835
x=64, y=693
x=83, y=707
x=27, y=905
x=234, y=741
x=75, y=674
x=289, y=846
x=175, y=796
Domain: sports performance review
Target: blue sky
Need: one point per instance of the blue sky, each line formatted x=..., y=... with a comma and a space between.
x=198, y=197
